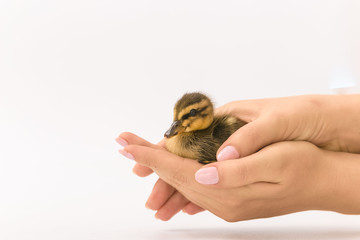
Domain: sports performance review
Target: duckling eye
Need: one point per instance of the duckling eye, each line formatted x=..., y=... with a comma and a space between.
x=192, y=112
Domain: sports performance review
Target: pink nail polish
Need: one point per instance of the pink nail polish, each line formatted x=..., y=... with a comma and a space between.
x=121, y=141
x=207, y=175
x=229, y=152
x=126, y=154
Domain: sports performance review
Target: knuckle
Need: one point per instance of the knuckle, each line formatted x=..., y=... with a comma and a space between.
x=154, y=159
x=253, y=132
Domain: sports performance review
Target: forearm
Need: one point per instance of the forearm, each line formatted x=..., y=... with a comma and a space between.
x=344, y=114
x=343, y=184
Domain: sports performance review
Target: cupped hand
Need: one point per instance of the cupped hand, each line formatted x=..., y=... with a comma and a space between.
x=281, y=178
x=328, y=121
x=164, y=198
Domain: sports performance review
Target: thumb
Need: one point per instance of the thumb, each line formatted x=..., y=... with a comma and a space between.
x=259, y=167
x=251, y=138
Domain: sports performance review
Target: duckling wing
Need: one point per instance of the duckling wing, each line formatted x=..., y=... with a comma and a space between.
x=224, y=126
x=221, y=129
x=207, y=149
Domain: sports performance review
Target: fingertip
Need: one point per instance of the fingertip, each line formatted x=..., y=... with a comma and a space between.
x=247, y=140
x=128, y=138
x=141, y=171
x=153, y=204
x=121, y=141
x=149, y=207
x=228, y=152
x=133, y=149
x=142, y=154
x=207, y=176
x=162, y=218
x=126, y=135
x=126, y=154
x=192, y=209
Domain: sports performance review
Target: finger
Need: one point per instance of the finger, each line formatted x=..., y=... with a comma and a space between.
x=192, y=209
x=172, y=207
x=251, y=137
x=173, y=169
x=159, y=195
x=128, y=138
x=142, y=171
x=246, y=110
x=264, y=166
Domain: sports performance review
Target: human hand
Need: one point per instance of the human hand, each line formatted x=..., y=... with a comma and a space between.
x=164, y=198
x=279, y=179
x=269, y=122
x=331, y=122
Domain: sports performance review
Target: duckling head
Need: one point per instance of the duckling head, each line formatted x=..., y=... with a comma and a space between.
x=192, y=112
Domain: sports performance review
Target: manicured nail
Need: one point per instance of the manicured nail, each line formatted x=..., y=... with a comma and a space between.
x=126, y=154
x=207, y=175
x=229, y=152
x=121, y=141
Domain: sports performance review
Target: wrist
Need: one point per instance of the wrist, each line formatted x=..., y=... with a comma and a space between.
x=339, y=125
x=341, y=183
x=349, y=122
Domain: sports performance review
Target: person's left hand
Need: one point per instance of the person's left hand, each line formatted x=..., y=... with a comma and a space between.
x=164, y=199
x=282, y=178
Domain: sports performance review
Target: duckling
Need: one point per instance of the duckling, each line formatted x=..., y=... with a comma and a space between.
x=196, y=132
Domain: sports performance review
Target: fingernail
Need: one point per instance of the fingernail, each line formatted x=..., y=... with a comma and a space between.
x=126, y=154
x=229, y=152
x=208, y=175
x=121, y=141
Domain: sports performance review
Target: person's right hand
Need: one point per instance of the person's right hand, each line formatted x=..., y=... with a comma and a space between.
x=331, y=122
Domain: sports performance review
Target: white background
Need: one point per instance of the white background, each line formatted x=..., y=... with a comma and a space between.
x=75, y=74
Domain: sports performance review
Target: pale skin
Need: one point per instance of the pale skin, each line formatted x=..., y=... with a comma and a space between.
x=310, y=162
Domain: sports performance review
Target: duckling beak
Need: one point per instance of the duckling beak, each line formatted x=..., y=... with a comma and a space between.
x=173, y=130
